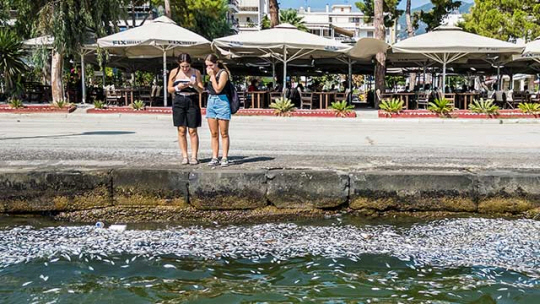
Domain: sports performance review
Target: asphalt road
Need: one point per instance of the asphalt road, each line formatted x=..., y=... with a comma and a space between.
x=89, y=141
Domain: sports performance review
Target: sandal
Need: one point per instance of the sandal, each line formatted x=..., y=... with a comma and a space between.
x=185, y=161
x=193, y=161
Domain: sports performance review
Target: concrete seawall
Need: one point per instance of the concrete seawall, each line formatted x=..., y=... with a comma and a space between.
x=369, y=192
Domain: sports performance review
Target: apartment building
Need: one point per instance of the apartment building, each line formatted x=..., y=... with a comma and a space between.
x=342, y=23
x=250, y=14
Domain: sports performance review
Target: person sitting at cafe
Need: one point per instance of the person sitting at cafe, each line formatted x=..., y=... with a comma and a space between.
x=254, y=85
x=270, y=86
x=278, y=87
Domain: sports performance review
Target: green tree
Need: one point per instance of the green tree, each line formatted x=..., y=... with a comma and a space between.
x=11, y=64
x=291, y=16
x=433, y=17
x=71, y=23
x=391, y=12
x=504, y=19
x=265, y=23
x=205, y=17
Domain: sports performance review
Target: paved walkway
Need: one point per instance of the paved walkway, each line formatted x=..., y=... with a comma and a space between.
x=89, y=140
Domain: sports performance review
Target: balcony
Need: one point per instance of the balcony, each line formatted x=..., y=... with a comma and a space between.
x=233, y=5
x=248, y=8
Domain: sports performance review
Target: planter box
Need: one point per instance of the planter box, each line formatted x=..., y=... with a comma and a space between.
x=36, y=109
x=458, y=114
x=241, y=112
x=116, y=110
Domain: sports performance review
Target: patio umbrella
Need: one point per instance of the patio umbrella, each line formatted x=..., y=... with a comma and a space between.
x=161, y=37
x=446, y=44
x=284, y=42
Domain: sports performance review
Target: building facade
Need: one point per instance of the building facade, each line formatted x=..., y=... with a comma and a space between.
x=338, y=22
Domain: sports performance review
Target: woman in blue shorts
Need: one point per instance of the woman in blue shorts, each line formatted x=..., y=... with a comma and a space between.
x=218, y=110
x=185, y=83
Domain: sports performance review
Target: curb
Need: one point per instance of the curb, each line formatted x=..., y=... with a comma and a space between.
x=494, y=192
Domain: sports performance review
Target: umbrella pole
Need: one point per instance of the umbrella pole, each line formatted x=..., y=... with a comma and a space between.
x=83, y=76
x=350, y=81
x=424, y=81
x=444, y=77
x=285, y=69
x=164, y=78
x=274, y=71
x=498, y=78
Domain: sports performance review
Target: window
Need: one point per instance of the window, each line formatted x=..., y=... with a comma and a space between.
x=330, y=19
x=370, y=34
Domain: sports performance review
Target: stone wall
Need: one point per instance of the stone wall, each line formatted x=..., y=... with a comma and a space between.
x=226, y=189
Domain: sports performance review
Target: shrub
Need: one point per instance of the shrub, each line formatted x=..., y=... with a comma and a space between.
x=391, y=106
x=341, y=108
x=282, y=106
x=60, y=104
x=529, y=108
x=138, y=105
x=443, y=107
x=484, y=106
x=16, y=103
x=98, y=104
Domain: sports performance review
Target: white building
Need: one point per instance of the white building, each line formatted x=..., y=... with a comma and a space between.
x=338, y=22
x=342, y=23
x=250, y=14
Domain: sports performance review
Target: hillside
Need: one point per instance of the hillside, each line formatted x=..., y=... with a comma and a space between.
x=463, y=9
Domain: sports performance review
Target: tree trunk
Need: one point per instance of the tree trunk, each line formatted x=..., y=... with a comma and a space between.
x=274, y=13
x=168, y=9
x=380, y=33
x=56, y=76
x=410, y=33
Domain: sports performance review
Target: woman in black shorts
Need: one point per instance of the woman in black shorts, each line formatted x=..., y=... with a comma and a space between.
x=185, y=83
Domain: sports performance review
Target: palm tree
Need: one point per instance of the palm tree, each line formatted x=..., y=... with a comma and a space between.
x=380, y=33
x=11, y=64
x=290, y=16
x=274, y=12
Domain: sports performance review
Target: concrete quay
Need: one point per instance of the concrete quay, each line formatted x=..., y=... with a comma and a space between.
x=68, y=163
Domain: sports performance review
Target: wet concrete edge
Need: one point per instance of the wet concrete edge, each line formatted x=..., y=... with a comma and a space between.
x=484, y=192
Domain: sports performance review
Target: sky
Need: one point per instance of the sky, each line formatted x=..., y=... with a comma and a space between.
x=321, y=4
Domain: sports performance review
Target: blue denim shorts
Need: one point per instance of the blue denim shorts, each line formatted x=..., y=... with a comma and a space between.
x=218, y=107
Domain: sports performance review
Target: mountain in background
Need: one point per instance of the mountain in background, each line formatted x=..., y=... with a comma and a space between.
x=465, y=8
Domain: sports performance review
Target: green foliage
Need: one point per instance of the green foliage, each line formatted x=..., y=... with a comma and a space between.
x=70, y=22
x=11, y=63
x=16, y=103
x=391, y=106
x=60, y=104
x=529, y=108
x=391, y=12
x=443, y=107
x=291, y=16
x=282, y=106
x=99, y=104
x=484, y=106
x=207, y=18
x=138, y=105
x=265, y=22
x=504, y=19
x=434, y=17
x=341, y=108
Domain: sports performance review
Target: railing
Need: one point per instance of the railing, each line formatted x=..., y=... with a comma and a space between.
x=248, y=8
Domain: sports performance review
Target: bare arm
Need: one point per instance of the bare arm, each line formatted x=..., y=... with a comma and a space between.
x=171, y=87
x=223, y=77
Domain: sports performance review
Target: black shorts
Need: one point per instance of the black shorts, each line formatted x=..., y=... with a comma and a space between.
x=186, y=111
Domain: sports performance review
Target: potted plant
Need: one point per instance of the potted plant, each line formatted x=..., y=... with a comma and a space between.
x=15, y=103
x=282, y=107
x=341, y=108
x=391, y=106
x=484, y=107
x=442, y=107
x=138, y=105
x=530, y=108
x=99, y=104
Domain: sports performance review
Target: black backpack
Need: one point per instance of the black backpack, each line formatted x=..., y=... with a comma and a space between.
x=232, y=95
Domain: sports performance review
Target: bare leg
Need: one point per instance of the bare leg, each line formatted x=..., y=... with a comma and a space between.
x=214, y=133
x=182, y=142
x=194, y=137
x=224, y=130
